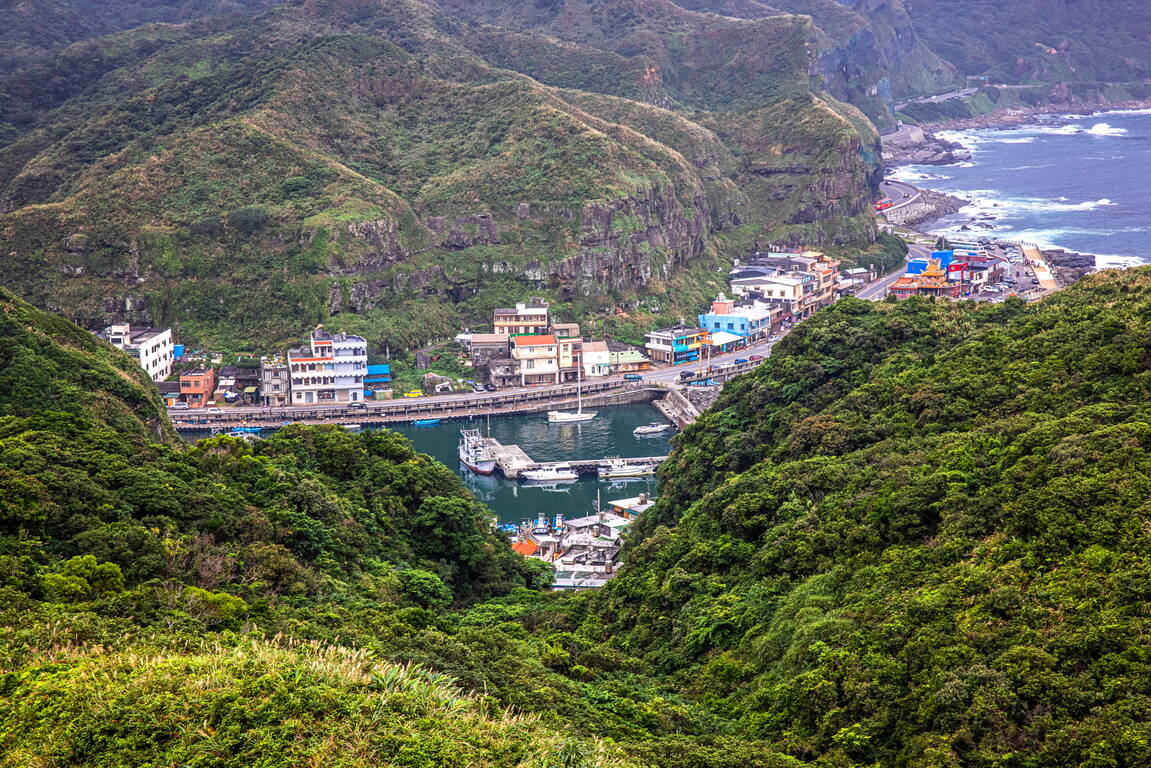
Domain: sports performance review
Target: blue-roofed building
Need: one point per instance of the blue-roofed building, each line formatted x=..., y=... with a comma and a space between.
x=378, y=377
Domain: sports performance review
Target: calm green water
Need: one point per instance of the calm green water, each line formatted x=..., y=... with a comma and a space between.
x=609, y=434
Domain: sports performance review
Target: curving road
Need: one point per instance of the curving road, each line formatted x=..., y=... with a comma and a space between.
x=899, y=193
x=877, y=290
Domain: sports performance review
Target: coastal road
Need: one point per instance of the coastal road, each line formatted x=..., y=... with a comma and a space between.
x=667, y=375
x=473, y=399
x=877, y=289
x=949, y=96
x=899, y=193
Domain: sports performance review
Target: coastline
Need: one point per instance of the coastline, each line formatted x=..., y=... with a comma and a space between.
x=943, y=205
x=1013, y=118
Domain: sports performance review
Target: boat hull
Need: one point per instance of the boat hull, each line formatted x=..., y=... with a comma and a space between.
x=485, y=468
x=549, y=475
x=611, y=474
x=564, y=417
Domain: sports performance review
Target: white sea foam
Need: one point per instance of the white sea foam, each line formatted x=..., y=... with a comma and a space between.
x=1110, y=112
x=1106, y=129
x=1110, y=261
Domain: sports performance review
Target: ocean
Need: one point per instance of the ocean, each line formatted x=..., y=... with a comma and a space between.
x=1078, y=182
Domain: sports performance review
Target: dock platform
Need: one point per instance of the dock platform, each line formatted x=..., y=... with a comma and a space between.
x=512, y=460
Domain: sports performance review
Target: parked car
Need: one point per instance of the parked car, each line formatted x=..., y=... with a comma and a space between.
x=741, y=361
x=755, y=358
x=632, y=377
x=685, y=375
x=414, y=393
x=477, y=387
x=358, y=404
x=490, y=387
x=179, y=407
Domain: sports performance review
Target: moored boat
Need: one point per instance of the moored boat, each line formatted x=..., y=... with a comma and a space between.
x=570, y=417
x=655, y=428
x=623, y=468
x=425, y=422
x=552, y=473
x=474, y=453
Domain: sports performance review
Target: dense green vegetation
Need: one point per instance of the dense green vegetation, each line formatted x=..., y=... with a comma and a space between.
x=385, y=160
x=1040, y=41
x=915, y=537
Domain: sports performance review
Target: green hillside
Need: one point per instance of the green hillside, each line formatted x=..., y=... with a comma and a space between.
x=384, y=162
x=917, y=536
x=1040, y=41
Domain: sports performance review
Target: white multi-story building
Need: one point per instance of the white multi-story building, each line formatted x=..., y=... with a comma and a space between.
x=152, y=347
x=330, y=370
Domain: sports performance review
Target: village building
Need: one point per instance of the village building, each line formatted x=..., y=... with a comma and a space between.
x=483, y=347
x=595, y=358
x=530, y=318
x=152, y=347
x=537, y=358
x=749, y=322
x=330, y=369
x=197, y=386
x=675, y=346
x=275, y=381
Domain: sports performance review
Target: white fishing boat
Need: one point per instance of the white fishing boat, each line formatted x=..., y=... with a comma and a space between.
x=655, y=428
x=568, y=417
x=474, y=453
x=353, y=427
x=622, y=468
x=552, y=473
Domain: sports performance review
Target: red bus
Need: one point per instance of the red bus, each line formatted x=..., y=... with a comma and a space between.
x=884, y=204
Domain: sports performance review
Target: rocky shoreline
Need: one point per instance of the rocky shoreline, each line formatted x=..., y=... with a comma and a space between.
x=1013, y=118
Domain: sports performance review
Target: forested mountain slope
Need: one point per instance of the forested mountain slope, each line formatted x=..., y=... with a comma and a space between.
x=382, y=159
x=1040, y=40
x=917, y=536
x=32, y=30
x=164, y=604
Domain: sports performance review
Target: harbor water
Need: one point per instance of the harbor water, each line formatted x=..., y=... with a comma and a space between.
x=609, y=434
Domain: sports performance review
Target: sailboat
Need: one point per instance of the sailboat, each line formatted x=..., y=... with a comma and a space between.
x=568, y=417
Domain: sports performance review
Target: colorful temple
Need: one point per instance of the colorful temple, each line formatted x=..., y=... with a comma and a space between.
x=930, y=282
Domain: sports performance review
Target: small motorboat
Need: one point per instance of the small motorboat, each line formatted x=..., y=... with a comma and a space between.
x=555, y=473
x=655, y=428
x=425, y=422
x=352, y=427
x=622, y=468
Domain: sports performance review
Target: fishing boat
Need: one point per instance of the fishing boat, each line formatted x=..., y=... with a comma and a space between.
x=655, y=428
x=474, y=453
x=425, y=422
x=622, y=468
x=352, y=427
x=553, y=473
x=569, y=417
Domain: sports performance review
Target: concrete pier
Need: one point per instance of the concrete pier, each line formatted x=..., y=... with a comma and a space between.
x=512, y=460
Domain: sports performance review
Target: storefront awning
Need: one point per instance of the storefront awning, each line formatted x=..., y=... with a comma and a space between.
x=723, y=338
